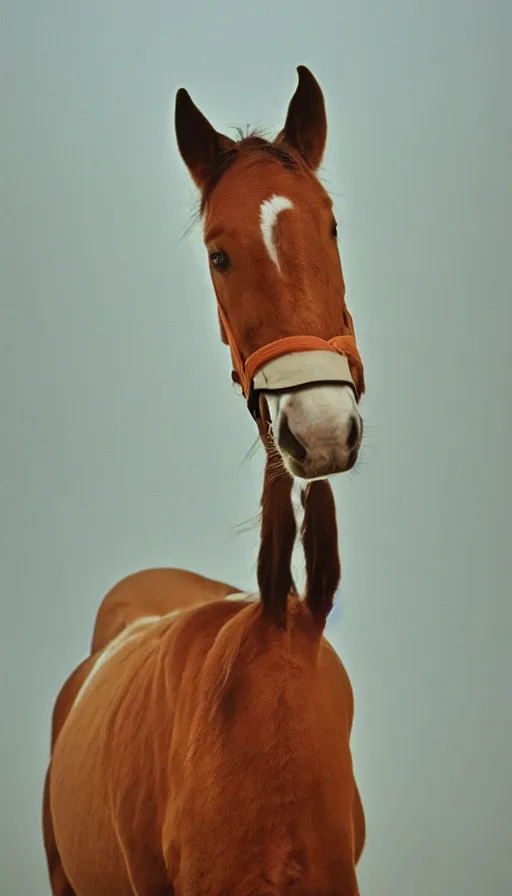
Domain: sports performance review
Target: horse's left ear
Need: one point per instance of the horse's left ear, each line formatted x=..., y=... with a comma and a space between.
x=306, y=123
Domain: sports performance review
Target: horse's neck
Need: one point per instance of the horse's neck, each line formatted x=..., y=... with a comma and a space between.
x=294, y=515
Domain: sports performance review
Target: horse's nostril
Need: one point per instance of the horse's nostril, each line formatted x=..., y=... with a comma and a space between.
x=353, y=433
x=289, y=442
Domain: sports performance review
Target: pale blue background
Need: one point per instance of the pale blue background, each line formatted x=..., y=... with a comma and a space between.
x=121, y=437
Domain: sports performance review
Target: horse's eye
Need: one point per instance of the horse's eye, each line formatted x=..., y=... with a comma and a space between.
x=334, y=229
x=219, y=260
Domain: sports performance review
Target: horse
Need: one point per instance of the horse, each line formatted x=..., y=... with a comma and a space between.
x=271, y=237
x=203, y=746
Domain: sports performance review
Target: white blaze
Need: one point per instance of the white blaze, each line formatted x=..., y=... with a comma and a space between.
x=269, y=211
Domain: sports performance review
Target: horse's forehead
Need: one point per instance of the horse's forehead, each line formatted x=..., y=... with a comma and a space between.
x=246, y=188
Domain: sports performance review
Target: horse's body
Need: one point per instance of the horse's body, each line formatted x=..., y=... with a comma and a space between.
x=201, y=750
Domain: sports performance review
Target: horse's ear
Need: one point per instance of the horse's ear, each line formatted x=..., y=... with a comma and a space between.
x=200, y=145
x=306, y=123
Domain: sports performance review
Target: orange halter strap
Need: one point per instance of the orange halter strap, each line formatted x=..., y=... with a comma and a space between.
x=245, y=371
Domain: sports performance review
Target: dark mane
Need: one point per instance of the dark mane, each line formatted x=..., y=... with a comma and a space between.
x=254, y=145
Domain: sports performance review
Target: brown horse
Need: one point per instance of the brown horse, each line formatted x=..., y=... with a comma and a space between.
x=271, y=237
x=202, y=749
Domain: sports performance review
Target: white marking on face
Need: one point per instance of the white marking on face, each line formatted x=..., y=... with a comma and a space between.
x=269, y=211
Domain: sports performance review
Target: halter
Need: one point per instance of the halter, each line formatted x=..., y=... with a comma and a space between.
x=295, y=361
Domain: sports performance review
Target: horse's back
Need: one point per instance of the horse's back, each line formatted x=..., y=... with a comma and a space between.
x=152, y=592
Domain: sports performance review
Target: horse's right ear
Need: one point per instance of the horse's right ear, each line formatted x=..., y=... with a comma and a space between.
x=200, y=145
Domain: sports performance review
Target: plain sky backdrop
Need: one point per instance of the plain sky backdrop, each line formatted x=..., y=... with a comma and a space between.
x=122, y=441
